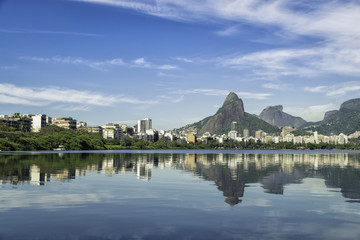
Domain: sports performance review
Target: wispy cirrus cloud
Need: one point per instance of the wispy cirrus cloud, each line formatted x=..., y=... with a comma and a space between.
x=36, y=31
x=219, y=92
x=311, y=113
x=78, y=100
x=7, y=67
x=98, y=65
x=171, y=99
x=316, y=89
x=228, y=31
x=302, y=18
x=44, y=96
x=331, y=24
x=143, y=63
x=275, y=63
x=183, y=59
x=335, y=90
x=275, y=86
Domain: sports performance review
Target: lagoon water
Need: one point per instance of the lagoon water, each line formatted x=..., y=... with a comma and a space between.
x=180, y=195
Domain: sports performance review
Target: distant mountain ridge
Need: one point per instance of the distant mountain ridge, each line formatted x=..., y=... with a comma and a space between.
x=352, y=104
x=345, y=120
x=328, y=114
x=275, y=116
x=231, y=110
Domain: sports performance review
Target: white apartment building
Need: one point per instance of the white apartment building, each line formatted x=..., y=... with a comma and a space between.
x=39, y=121
x=112, y=131
x=144, y=124
x=233, y=135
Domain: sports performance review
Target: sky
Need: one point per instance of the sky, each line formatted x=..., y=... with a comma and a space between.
x=175, y=61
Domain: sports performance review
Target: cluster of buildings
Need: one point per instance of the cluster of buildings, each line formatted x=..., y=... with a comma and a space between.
x=144, y=130
x=287, y=136
x=34, y=122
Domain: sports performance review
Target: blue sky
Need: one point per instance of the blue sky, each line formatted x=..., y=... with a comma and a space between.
x=175, y=61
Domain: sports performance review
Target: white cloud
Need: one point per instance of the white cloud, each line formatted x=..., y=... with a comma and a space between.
x=45, y=96
x=315, y=89
x=167, y=67
x=330, y=19
x=4, y=98
x=311, y=113
x=343, y=90
x=164, y=99
x=141, y=62
x=274, y=86
x=339, y=89
x=336, y=50
x=98, y=65
x=182, y=59
x=219, y=92
x=136, y=101
x=228, y=31
x=211, y=92
x=257, y=96
x=7, y=67
x=275, y=63
x=72, y=108
x=36, y=31
x=167, y=75
x=74, y=100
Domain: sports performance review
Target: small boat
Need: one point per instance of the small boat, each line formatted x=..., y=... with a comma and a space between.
x=60, y=148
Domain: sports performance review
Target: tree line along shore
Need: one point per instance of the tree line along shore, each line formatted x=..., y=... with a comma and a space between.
x=56, y=138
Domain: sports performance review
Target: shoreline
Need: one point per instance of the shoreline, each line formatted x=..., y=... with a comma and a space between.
x=205, y=151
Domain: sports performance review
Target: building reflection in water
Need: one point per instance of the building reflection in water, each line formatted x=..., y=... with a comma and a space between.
x=230, y=172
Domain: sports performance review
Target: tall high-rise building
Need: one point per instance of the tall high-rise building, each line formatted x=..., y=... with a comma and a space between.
x=246, y=133
x=144, y=124
x=234, y=126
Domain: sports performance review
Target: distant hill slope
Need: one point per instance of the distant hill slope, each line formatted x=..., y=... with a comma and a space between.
x=231, y=110
x=330, y=113
x=275, y=116
x=345, y=120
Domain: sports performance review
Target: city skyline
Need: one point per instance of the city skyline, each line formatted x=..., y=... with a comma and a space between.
x=175, y=61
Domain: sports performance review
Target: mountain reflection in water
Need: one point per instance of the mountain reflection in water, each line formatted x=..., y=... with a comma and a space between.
x=231, y=173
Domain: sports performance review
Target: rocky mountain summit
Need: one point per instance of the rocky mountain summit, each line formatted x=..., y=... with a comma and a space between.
x=275, y=116
x=352, y=104
x=231, y=110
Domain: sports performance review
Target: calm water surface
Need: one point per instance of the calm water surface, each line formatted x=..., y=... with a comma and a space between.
x=180, y=195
